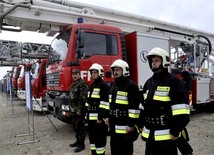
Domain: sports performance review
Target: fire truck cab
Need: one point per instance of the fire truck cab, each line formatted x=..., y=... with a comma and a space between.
x=39, y=88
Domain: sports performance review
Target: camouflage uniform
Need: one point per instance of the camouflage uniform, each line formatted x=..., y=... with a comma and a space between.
x=78, y=95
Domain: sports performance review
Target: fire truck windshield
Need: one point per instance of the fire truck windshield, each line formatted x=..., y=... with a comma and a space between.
x=35, y=70
x=59, y=47
x=22, y=72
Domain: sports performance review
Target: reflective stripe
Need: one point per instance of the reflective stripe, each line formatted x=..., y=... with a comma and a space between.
x=141, y=107
x=95, y=96
x=162, y=135
x=183, y=133
x=159, y=134
x=93, y=116
x=109, y=96
x=122, y=98
x=120, y=129
x=88, y=94
x=138, y=131
x=100, y=150
x=121, y=102
x=145, y=132
x=104, y=105
x=180, y=106
x=86, y=104
x=161, y=93
x=96, y=89
x=180, y=109
x=163, y=88
x=145, y=96
x=122, y=93
x=133, y=113
x=95, y=93
x=92, y=146
x=161, y=98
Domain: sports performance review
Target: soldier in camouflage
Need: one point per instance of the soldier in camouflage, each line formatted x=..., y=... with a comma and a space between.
x=78, y=95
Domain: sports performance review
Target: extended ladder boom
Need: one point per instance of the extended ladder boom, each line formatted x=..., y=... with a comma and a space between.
x=49, y=15
x=14, y=53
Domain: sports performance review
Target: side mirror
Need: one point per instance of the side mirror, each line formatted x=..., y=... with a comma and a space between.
x=80, y=38
x=80, y=53
x=108, y=74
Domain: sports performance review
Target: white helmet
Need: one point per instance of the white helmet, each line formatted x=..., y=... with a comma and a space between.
x=159, y=52
x=121, y=64
x=97, y=67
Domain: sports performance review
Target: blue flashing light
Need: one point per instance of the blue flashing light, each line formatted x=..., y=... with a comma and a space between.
x=80, y=20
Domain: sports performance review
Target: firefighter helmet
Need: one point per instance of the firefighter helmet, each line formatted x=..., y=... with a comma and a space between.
x=97, y=67
x=121, y=64
x=159, y=52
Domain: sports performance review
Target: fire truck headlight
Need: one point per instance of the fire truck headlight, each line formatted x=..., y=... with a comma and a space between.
x=65, y=107
x=58, y=93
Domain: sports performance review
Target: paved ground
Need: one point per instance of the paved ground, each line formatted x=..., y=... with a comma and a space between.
x=201, y=130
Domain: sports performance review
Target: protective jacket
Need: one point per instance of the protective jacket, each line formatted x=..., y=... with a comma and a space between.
x=124, y=105
x=166, y=110
x=97, y=101
x=96, y=104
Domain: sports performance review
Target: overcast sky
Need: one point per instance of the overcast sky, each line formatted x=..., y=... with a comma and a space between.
x=196, y=14
x=193, y=13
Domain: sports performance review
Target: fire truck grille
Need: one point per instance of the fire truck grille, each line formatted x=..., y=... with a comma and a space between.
x=53, y=79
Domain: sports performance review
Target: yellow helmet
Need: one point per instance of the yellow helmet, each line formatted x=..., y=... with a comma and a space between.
x=97, y=67
x=159, y=52
x=121, y=64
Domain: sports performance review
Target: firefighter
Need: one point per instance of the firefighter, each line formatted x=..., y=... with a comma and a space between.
x=124, y=110
x=78, y=96
x=165, y=111
x=97, y=104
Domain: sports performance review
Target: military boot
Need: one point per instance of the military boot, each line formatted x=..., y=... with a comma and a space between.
x=79, y=148
x=75, y=144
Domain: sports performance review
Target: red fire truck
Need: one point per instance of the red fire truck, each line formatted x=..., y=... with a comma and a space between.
x=15, y=75
x=39, y=88
x=81, y=45
x=21, y=81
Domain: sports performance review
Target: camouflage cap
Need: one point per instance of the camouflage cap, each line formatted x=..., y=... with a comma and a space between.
x=75, y=71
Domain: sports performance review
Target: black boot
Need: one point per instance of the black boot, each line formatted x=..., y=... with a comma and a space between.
x=79, y=148
x=93, y=152
x=75, y=144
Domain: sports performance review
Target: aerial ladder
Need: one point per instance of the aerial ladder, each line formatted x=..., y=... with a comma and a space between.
x=49, y=16
x=13, y=53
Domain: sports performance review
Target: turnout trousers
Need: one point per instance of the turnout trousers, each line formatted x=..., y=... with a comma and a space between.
x=121, y=145
x=167, y=147
x=97, y=137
